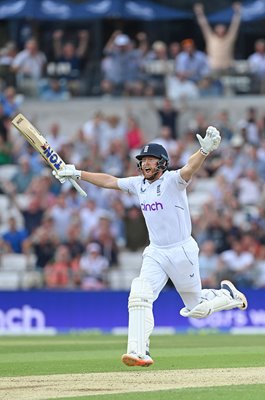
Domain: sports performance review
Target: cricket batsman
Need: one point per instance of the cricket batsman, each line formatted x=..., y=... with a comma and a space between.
x=172, y=252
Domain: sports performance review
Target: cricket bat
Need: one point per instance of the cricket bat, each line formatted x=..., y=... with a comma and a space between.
x=38, y=141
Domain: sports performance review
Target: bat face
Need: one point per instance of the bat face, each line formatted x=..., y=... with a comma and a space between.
x=35, y=138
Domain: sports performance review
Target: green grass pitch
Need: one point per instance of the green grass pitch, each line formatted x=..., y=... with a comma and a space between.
x=93, y=353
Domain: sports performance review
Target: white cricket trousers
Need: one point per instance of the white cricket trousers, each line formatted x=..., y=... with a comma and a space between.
x=179, y=263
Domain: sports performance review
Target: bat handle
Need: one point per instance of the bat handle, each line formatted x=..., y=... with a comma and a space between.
x=77, y=187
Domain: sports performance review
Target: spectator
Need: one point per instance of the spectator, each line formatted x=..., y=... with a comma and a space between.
x=114, y=161
x=249, y=188
x=62, y=216
x=6, y=147
x=168, y=115
x=82, y=150
x=4, y=124
x=60, y=272
x=228, y=169
x=255, y=161
x=54, y=90
x=223, y=123
x=208, y=86
x=23, y=177
x=191, y=64
x=121, y=66
x=42, y=243
x=174, y=49
x=156, y=65
x=219, y=41
x=55, y=137
x=208, y=260
x=134, y=134
x=93, y=268
x=143, y=43
x=14, y=237
x=32, y=212
x=256, y=63
x=68, y=60
x=118, y=225
x=103, y=234
x=216, y=232
x=179, y=88
x=42, y=188
x=29, y=65
x=260, y=268
x=165, y=139
x=7, y=55
x=115, y=128
x=89, y=216
x=249, y=126
x=10, y=102
x=74, y=242
x=96, y=132
x=237, y=264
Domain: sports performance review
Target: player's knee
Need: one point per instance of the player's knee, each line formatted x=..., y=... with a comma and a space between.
x=141, y=293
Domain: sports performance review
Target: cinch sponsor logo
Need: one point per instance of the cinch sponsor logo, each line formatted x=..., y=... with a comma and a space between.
x=152, y=207
x=19, y=319
x=53, y=157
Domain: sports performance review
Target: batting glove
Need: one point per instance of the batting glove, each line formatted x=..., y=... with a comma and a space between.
x=62, y=180
x=69, y=171
x=210, y=142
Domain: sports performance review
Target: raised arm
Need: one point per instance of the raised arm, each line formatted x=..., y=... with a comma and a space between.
x=235, y=23
x=98, y=179
x=83, y=43
x=57, y=43
x=202, y=20
x=210, y=142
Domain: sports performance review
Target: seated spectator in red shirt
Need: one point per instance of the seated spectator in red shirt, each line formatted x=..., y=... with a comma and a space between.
x=134, y=134
x=59, y=273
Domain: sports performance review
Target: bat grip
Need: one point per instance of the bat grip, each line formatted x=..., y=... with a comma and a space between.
x=77, y=187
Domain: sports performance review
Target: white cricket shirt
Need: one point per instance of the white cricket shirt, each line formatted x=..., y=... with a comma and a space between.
x=164, y=205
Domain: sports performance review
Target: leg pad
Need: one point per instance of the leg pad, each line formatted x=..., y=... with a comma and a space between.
x=141, y=320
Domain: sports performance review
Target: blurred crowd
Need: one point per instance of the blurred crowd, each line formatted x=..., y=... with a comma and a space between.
x=132, y=66
x=76, y=241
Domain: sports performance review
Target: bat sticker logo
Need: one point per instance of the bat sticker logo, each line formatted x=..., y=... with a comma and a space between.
x=50, y=155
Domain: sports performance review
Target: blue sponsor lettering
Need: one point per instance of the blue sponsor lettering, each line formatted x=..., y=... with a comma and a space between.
x=152, y=207
x=19, y=319
x=52, y=157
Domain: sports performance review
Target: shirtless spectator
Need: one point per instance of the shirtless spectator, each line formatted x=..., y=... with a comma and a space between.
x=29, y=65
x=219, y=41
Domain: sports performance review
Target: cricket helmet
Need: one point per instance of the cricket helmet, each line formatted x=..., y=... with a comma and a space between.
x=154, y=150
